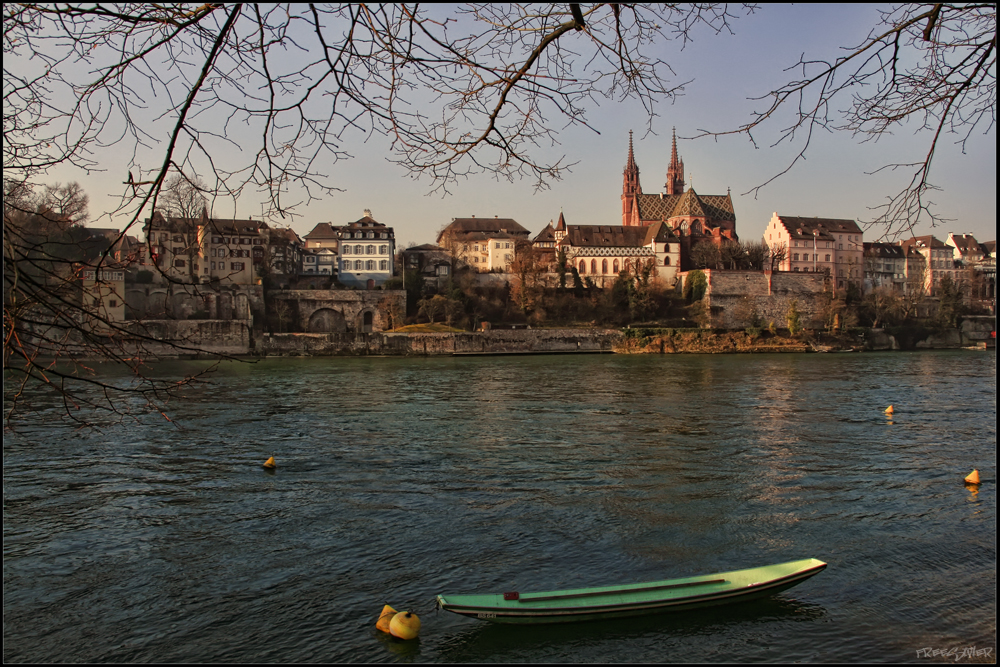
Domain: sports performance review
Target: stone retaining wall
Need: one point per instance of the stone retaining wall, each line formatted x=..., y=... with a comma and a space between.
x=528, y=341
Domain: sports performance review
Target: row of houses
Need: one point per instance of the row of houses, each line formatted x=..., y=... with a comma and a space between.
x=663, y=230
x=242, y=252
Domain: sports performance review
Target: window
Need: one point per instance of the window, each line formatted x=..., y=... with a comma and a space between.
x=347, y=250
x=358, y=249
x=593, y=266
x=604, y=266
x=828, y=258
x=615, y=265
x=383, y=265
x=583, y=266
x=216, y=239
x=796, y=269
x=476, y=247
x=795, y=257
x=370, y=250
x=179, y=263
x=666, y=261
x=370, y=265
x=384, y=235
x=508, y=258
x=475, y=260
x=112, y=303
x=178, y=238
x=840, y=246
x=383, y=250
x=358, y=264
x=371, y=235
x=213, y=266
x=237, y=266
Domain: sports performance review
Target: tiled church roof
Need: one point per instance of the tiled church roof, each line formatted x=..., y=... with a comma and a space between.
x=664, y=207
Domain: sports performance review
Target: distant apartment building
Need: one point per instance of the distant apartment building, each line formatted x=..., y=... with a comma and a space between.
x=928, y=261
x=885, y=266
x=485, y=244
x=819, y=245
x=103, y=292
x=285, y=255
x=206, y=249
x=367, y=252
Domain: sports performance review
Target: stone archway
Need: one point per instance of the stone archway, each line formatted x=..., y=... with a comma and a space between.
x=326, y=320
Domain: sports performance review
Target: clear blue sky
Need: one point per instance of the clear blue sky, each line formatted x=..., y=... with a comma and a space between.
x=727, y=70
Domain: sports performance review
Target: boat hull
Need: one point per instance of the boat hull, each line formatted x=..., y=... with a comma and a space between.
x=634, y=599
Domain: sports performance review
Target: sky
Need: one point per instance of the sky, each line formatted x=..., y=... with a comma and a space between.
x=835, y=181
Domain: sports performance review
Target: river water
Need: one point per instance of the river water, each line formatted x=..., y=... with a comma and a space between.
x=399, y=479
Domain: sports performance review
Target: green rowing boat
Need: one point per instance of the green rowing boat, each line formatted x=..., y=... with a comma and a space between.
x=585, y=604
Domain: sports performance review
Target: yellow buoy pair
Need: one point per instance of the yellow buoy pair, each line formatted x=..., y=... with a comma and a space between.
x=402, y=625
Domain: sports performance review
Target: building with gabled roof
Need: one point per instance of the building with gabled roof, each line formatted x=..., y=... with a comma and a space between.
x=819, y=245
x=323, y=235
x=206, y=249
x=600, y=252
x=485, y=244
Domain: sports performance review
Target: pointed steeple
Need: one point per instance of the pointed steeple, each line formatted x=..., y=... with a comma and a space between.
x=675, y=171
x=630, y=184
x=560, y=228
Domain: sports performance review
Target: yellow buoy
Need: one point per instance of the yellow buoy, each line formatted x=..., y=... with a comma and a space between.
x=270, y=463
x=404, y=625
x=888, y=410
x=973, y=477
x=384, y=618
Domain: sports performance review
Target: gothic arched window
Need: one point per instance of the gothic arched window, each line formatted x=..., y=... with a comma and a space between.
x=583, y=266
x=616, y=267
x=604, y=266
x=666, y=261
x=593, y=266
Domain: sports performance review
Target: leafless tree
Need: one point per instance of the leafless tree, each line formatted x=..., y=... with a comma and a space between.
x=932, y=64
x=706, y=255
x=776, y=254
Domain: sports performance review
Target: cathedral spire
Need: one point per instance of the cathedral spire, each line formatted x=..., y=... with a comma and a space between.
x=630, y=186
x=675, y=171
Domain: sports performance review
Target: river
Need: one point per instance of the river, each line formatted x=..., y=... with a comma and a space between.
x=399, y=479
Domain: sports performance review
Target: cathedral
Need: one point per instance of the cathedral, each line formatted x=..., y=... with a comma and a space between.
x=693, y=217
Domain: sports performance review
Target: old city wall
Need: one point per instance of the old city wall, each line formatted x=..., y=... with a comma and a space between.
x=733, y=294
x=178, y=301
x=195, y=337
x=340, y=311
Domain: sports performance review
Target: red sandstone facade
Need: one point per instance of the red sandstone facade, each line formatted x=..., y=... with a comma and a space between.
x=693, y=217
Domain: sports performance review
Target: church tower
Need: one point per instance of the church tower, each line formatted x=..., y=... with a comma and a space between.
x=630, y=186
x=675, y=171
